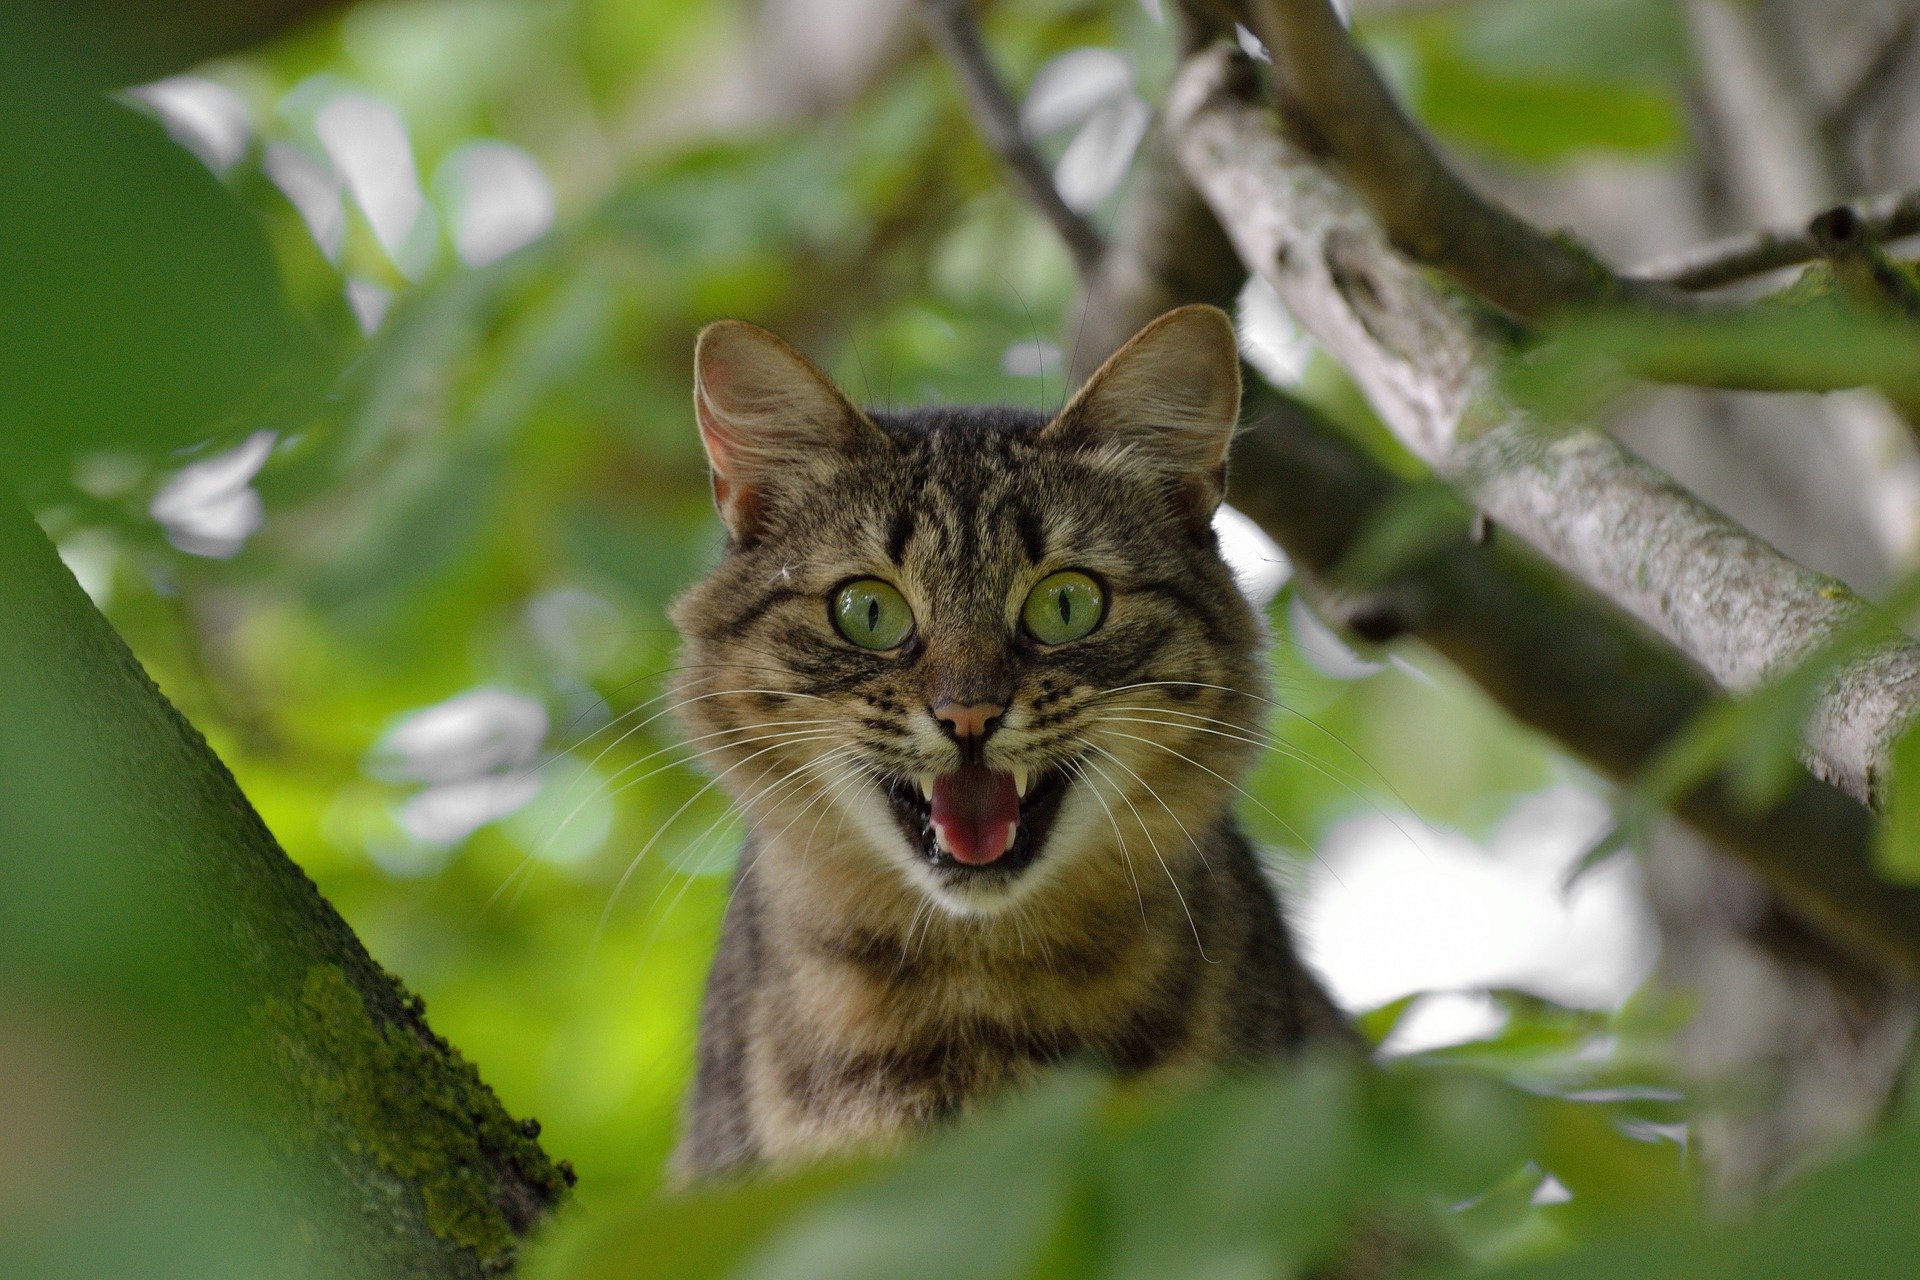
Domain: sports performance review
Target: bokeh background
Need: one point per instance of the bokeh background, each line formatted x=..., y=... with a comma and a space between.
x=411, y=583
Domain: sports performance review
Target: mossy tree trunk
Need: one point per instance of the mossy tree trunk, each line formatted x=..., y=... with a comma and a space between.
x=148, y=915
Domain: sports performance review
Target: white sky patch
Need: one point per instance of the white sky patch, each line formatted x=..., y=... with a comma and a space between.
x=474, y=752
x=206, y=118
x=367, y=142
x=1322, y=647
x=1271, y=340
x=1091, y=92
x=1068, y=90
x=1259, y=566
x=1095, y=163
x=1551, y=1191
x=209, y=507
x=478, y=732
x=1444, y=1018
x=369, y=302
x=90, y=556
x=499, y=197
x=310, y=186
x=1030, y=359
x=1382, y=916
x=449, y=813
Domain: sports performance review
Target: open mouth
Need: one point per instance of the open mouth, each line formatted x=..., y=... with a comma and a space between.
x=978, y=822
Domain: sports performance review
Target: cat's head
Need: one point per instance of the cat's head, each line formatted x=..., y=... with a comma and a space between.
x=975, y=650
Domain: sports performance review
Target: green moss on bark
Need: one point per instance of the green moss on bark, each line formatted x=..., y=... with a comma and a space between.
x=414, y=1105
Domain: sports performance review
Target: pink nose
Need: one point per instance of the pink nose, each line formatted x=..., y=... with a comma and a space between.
x=969, y=719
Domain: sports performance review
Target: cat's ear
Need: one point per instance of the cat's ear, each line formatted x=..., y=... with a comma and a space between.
x=768, y=417
x=1167, y=401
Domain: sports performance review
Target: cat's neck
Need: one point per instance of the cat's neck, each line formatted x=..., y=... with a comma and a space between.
x=1103, y=913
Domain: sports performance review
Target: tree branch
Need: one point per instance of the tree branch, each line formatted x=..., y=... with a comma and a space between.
x=1860, y=264
x=1727, y=599
x=1427, y=210
x=950, y=25
x=1723, y=262
x=105, y=789
x=1878, y=84
x=1570, y=667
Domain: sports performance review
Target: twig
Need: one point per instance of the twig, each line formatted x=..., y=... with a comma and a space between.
x=1427, y=210
x=1860, y=264
x=1884, y=218
x=1876, y=84
x=950, y=25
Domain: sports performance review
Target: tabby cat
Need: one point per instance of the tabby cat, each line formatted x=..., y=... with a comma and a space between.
x=984, y=688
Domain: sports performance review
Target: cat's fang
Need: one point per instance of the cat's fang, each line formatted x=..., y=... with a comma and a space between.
x=1021, y=781
x=926, y=786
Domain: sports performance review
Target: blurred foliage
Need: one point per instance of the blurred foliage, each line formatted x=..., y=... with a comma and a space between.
x=436, y=664
x=1541, y=82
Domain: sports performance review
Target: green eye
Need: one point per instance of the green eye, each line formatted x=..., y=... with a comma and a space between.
x=1065, y=606
x=872, y=614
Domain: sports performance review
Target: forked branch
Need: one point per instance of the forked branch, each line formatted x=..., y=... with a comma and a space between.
x=1881, y=219
x=1730, y=601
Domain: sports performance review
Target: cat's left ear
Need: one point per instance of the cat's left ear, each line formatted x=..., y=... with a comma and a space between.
x=1168, y=400
x=770, y=420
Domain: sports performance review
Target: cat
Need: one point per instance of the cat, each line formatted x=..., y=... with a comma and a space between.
x=984, y=688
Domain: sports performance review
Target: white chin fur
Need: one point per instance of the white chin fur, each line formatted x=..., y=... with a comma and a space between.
x=1079, y=817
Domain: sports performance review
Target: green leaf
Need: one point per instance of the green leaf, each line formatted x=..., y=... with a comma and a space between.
x=144, y=309
x=1817, y=343
x=924, y=1217
x=1541, y=82
x=1897, y=838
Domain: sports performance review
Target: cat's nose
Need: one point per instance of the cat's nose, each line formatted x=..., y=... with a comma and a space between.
x=969, y=720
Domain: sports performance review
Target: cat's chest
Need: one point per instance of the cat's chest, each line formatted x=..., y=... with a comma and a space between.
x=847, y=1061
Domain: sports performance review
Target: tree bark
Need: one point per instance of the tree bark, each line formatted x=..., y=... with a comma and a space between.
x=139, y=888
x=1727, y=599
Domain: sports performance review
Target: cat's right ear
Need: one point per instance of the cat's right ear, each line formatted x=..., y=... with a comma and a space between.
x=768, y=417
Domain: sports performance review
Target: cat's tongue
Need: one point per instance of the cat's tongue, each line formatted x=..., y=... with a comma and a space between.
x=975, y=813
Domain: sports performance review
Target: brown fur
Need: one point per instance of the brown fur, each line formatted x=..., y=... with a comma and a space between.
x=856, y=997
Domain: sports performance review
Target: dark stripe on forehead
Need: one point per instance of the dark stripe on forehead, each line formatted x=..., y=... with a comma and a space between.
x=1033, y=535
x=900, y=532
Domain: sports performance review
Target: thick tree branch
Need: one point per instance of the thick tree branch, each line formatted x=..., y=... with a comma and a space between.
x=950, y=25
x=1427, y=210
x=1728, y=600
x=106, y=791
x=1723, y=262
x=1570, y=667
